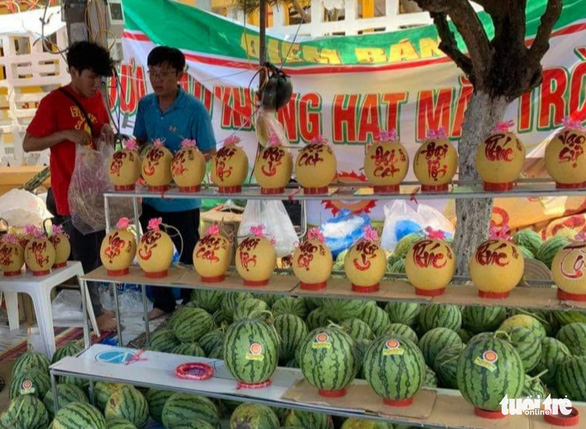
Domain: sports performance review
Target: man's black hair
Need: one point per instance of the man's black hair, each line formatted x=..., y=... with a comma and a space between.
x=90, y=56
x=166, y=54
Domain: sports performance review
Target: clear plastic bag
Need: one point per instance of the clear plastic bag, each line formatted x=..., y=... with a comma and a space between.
x=86, y=191
x=267, y=124
x=20, y=208
x=278, y=225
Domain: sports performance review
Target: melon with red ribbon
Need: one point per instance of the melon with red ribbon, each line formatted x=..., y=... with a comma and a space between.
x=435, y=162
x=230, y=167
x=316, y=166
x=212, y=255
x=60, y=241
x=188, y=167
x=497, y=266
x=500, y=158
x=313, y=261
x=124, y=167
x=365, y=263
x=39, y=254
x=430, y=264
x=386, y=162
x=156, y=167
x=155, y=250
x=565, y=155
x=273, y=167
x=118, y=249
x=569, y=271
x=256, y=257
x=11, y=255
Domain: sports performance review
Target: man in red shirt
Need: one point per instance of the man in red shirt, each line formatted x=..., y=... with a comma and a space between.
x=66, y=117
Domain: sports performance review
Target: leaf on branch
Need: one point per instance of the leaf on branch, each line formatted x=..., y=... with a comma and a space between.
x=548, y=19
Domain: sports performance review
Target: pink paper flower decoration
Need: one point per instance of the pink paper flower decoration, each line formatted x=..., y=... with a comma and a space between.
x=258, y=230
x=370, y=234
x=437, y=134
x=188, y=143
x=158, y=143
x=214, y=230
x=155, y=224
x=123, y=223
x=434, y=234
x=502, y=233
x=319, y=140
x=503, y=127
x=10, y=238
x=274, y=140
x=233, y=139
x=387, y=136
x=316, y=234
x=573, y=124
x=130, y=144
x=581, y=236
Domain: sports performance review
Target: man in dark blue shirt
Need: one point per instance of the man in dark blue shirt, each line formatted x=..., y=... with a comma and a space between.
x=172, y=115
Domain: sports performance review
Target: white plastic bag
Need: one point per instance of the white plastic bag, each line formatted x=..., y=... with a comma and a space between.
x=86, y=191
x=274, y=217
x=20, y=208
x=267, y=124
x=402, y=219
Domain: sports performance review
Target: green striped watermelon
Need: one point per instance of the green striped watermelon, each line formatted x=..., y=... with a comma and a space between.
x=571, y=316
x=365, y=424
x=391, y=260
x=189, y=349
x=357, y=329
x=327, y=359
x=66, y=394
x=488, y=369
x=222, y=318
x=376, y=318
x=251, y=351
x=446, y=367
x=394, y=368
x=527, y=345
x=403, y=312
x=534, y=387
x=232, y=299
x=570, y=379
x=293, y=363
x=210, y=340
x=156, y=400
x=82, y=383
x=209, y=300
x=405, y=244
x=525, y=321
x=398, y=267
x=183, y=407
x=430, y=378
x=436, y=340
x=72, y=348
x=526, y=253
x=313, y=302
x=194, y=424
x=251, y=307
x=31, y=359
x=360, y=348
x=553, y=353
x=254, y=416
x=31, y=382
x=25, y=412
x=546, y=318
x=574, y=337
x=128, y=403
x=119, y=424
x=102, y=392
x=292, y=330
x=402, y=330
x=269, y=298
x=549, y=248
x=528, y=239
x=79, y=415
x=464, y=335
x=338, y=309
x=307, y=419
x=478, y=319
x=192, y=324
x=289, y=305
x=164, y=340
x=440, y=316
x=317, y=319
x=217, y=352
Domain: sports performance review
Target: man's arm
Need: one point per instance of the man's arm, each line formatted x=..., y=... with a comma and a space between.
x=37, y=144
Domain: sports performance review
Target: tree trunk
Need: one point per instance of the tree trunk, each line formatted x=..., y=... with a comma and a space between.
x=473, y=215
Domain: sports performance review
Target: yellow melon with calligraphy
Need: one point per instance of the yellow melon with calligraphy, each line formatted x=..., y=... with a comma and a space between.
x=565, y=159
x=316, y=167
x=430, y=265
x=124, y=169
x=156, y=168
x=385, y=165
x=499, y=161
x=211, y=257
x=62, y=247
x=155, y=253
x=39, y=256
x=118, y=251
x=256, y=259
x=188, y=169
x=435, y=164
x=273, y=169
x=229, y=169
x=497, y=268
x=569, y=271
x=312, y=264
x=11, y=255
x=365, y=265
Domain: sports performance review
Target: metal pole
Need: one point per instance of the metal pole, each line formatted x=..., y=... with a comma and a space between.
x=118, y=324
x=55, y=393
x=147, y=328
x=262, y=32
x=84, y=317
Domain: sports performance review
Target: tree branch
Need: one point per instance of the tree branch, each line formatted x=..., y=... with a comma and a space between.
x=449, y=45
x=469, y=26
x=548, y=19
x=490, y=6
